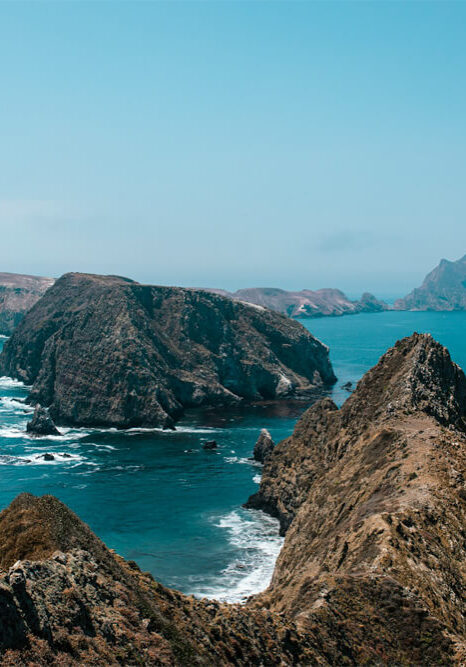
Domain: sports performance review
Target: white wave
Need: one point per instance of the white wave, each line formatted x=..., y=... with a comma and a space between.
x=38, y=459
x=12, y=432
x=256, y=536
x=257, y=479
x=99, y=446
x=7, y=382
x=8, y=403
x=241, y=459
x=58, y=457
x=196, y=429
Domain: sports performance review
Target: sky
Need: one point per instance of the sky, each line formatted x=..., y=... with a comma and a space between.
x=234, y=144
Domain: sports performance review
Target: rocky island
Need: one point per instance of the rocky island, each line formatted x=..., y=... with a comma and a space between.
x=444, y=288
x=372, y=501
x=18, y=293
x=307, y=303
x=107, y=351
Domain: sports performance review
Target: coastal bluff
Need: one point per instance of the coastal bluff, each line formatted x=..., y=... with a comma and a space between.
x=372, y=501
x=107, y=351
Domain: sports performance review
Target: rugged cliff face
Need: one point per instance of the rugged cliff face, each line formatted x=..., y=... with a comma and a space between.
x=18, y=293
x=444, y=288
x=372, y=570
x=373, y=501
x=103, y=350
x=307, y=303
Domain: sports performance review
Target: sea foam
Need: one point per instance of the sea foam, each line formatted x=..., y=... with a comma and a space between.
x=256, y=536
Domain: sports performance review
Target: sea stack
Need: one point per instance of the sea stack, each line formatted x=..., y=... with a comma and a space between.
x=263, y=447
x=41, y=423
x=107, y=351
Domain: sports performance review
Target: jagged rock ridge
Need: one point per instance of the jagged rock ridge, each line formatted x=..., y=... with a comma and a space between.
x=307, y=303
x=18, y=293
x=372, y=570
x=106, y=351
x=444, y=288
x=372, y=498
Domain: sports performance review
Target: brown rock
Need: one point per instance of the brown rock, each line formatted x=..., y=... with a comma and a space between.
x=263, y=447
x=372, y=569
x=106, y=351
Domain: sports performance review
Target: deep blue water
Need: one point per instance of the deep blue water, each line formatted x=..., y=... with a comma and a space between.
x=160, y=499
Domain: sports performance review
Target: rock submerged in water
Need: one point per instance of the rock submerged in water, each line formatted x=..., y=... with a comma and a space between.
x=105, y=351
x=263, y=447
x=41, y=423
x=210, y=444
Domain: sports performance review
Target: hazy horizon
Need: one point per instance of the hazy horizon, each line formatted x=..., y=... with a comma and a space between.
x=230, y=145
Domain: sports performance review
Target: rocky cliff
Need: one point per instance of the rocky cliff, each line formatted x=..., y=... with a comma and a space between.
x=106, y=351
x=444, y=288
x=372, y=498
x=18, y=293
x=307, y=303
x=373, y=501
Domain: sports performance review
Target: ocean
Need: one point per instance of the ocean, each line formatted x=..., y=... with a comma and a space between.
x=159, y=498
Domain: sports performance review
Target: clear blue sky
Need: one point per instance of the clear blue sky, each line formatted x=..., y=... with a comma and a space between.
x=291, y=144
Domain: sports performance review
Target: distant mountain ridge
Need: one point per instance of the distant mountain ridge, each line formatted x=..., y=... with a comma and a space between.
x=443, y=289
x=18, y=293
x=326, y=302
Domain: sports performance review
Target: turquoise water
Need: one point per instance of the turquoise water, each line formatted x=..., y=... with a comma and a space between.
x=160, y=499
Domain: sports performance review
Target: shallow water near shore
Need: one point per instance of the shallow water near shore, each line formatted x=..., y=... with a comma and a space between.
x=161, y=499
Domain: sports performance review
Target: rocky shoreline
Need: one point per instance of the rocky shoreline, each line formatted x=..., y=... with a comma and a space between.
x=372, y=501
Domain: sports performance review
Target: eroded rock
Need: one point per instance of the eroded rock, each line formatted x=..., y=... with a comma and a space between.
x=41, y=423
x=263, y=447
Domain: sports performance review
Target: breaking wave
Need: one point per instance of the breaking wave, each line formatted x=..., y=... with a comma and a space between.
x=256, y=537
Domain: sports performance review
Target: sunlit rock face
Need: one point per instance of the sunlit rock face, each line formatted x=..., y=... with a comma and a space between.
x=306, y=303
x=444, y=288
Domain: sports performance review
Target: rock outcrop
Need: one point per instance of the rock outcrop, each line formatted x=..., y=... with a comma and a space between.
x=307, y=303
x=106, y=351
x=65, y=599
x=444, y=288
x=41, y=423
x=18, y=293
x=372, y=497
x=263, y=447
